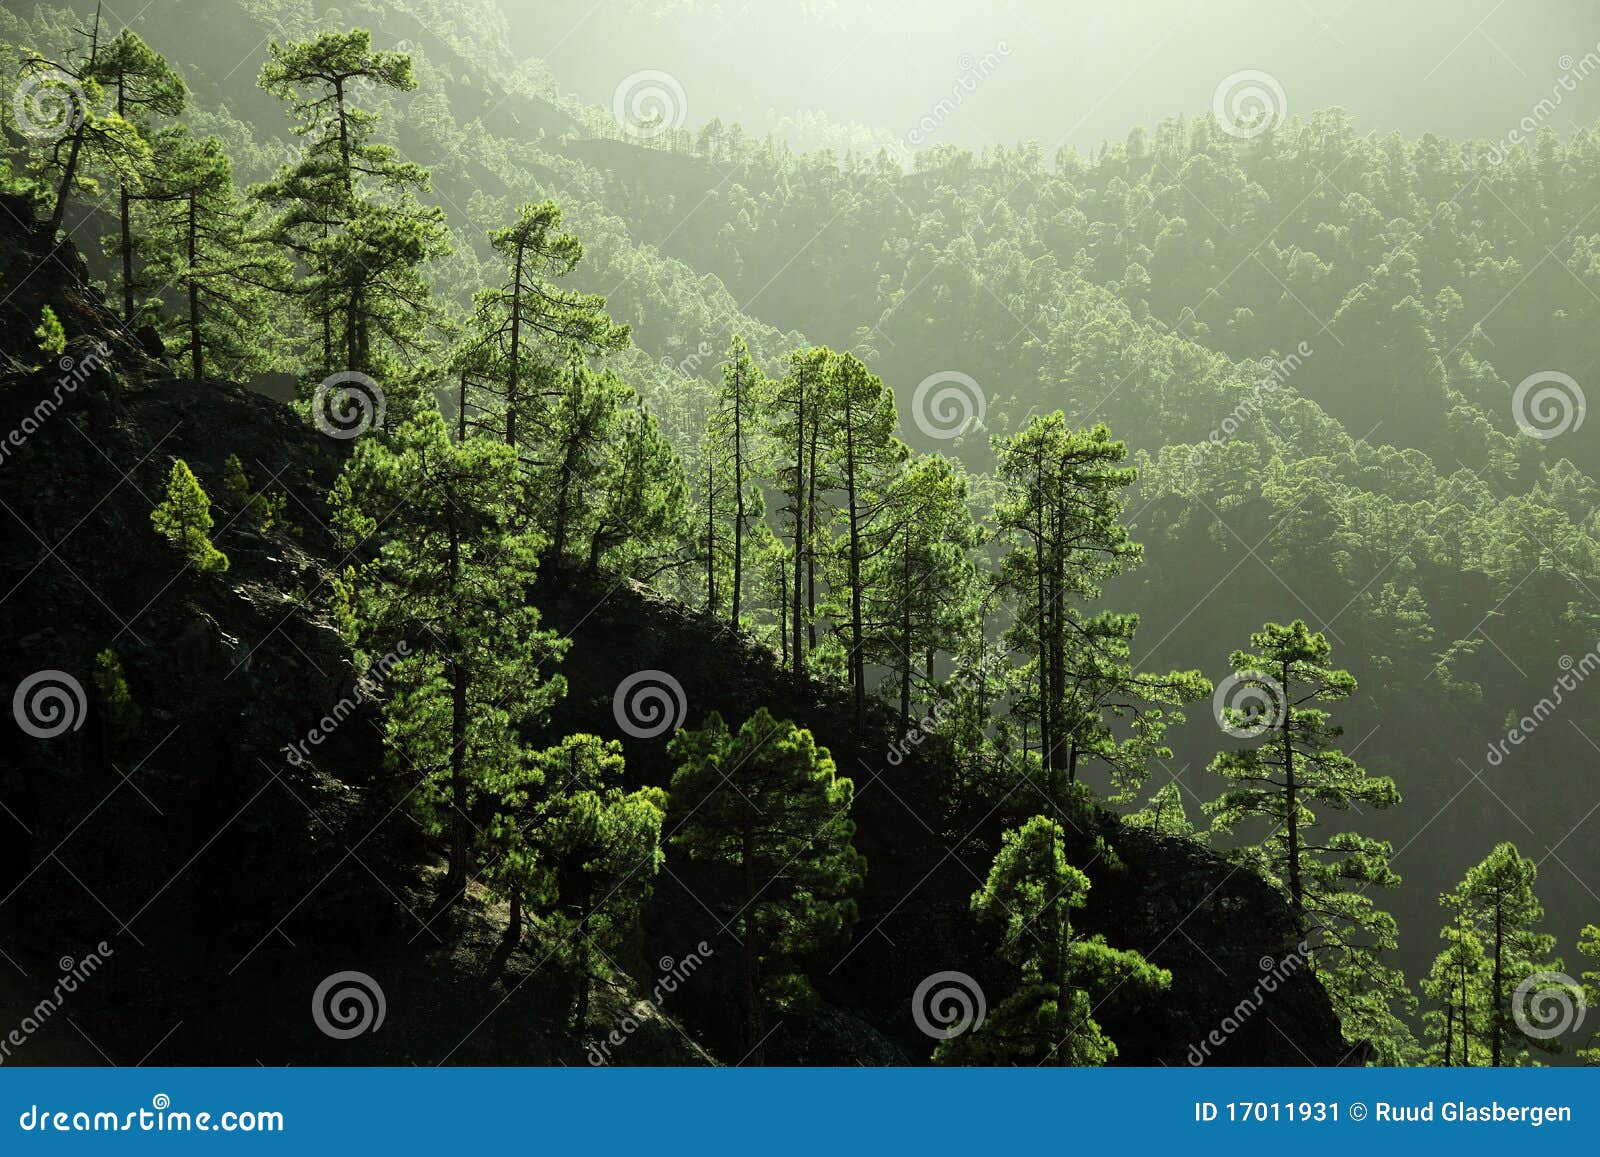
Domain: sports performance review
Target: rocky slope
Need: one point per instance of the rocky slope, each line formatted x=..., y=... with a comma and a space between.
x=227, y=881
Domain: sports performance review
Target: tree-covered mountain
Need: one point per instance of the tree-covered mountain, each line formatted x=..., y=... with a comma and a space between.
x=1020, y=453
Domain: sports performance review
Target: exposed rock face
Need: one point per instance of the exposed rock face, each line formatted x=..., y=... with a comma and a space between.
x=229, y=877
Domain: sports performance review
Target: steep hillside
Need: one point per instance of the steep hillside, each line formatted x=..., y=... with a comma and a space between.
x=228, y=879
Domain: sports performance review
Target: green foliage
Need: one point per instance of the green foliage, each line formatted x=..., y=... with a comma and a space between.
x=1165, y=815
x=51, y=335
x=1064, y=977
x=567, y=842
x=183, y=518
x=1589, y=945
x=114, y=696
x=1290, y=766
x=1497, y=948
x=347, y=211
x=768, y=803
x=1059, y=516
x=450, y=576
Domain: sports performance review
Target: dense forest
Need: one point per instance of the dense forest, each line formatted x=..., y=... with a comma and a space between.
x=1216, y=502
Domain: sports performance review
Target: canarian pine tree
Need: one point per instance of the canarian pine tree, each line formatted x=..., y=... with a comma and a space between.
x=1287, y=777
x=347, y=209
x=920, y=588
x=567, y=841
x=527, y=327
x=793, y=406
x=1496, y=901
x=1455, y=1026
x=183, y=518
x=1589, y=946
x=864, y=458
x=142, y=87
x=605, y=485
x=1058, y=518
x=1064, y=976
x=450, y=576
x=86, y=141
x=198, y=238
x=732, y=501
x=768, y=803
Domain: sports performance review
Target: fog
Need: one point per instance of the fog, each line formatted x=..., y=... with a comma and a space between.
x=1074, y=73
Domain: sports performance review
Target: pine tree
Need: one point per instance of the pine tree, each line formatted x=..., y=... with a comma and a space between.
x=1030, y=892
x=527, y=327
x=142, y=86
x=347, y=209
x=85, y=139
x=920, y=588
x=1059, y=513
x=566, y=840
x=729, y=503
x=183, y=518
x=1589, y=945
x=1456, y=1028
x=1292, y=766
x=450, y=577
x=767, y=802
x=865, y=457
x=793, y=406
x=608, y=488
x=1165, y=814
x=198, y=236
x=1497, y=902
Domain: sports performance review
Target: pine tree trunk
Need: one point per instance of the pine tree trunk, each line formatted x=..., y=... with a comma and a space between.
x=512, y=376
x=1292, y=821
x=738, y=494
x=196, y=349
